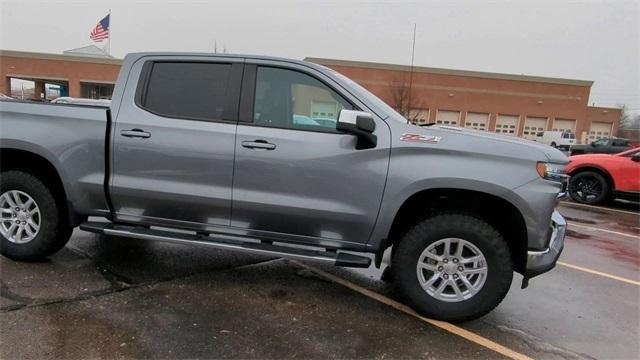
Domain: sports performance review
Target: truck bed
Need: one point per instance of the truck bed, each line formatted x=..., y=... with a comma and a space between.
x=71, y=137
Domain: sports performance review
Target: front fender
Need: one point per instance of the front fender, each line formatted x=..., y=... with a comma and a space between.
x=392, y=202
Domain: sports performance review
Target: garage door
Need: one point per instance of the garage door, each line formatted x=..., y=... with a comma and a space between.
x=564, y=125
x=324, y=109
x=446, y=117
x=507, y=124
x=477, y=121
x=419, y=116
x=599, y=130
x=532, y=126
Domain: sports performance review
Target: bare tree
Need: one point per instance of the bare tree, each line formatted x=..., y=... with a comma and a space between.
x=625, y=117
x=628, y=120
x=400, y=97
x=402, y=101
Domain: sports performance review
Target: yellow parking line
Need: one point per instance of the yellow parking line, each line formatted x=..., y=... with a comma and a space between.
x=599, y=273
x=456, y=330
x=571, y=223
x=572, y=204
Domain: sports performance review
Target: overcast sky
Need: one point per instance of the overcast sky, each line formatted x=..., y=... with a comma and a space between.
x=587, y=40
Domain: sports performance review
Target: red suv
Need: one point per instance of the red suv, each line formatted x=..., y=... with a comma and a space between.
x=596, y=178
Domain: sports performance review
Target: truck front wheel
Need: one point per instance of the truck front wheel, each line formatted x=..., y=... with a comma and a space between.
x=452, y=267
x=32, y=224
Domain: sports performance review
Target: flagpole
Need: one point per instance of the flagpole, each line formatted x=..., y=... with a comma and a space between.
x=109, y=39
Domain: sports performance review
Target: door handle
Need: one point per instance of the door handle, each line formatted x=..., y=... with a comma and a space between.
x=135, y=133
x=258, y=145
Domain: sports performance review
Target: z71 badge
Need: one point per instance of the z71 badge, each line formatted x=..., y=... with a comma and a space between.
x=421, y=138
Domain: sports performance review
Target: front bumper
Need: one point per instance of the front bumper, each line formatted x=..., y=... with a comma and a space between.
x=539, y=262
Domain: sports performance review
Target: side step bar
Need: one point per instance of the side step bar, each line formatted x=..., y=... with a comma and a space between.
x=227, y=242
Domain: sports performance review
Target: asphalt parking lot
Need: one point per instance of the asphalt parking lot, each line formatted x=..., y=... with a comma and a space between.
x=116, y=298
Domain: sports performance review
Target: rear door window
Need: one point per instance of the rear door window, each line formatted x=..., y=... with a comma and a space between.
x=189, y=90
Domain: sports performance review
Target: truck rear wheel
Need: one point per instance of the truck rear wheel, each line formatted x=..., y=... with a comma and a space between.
x=32, y=224
x=452, y=267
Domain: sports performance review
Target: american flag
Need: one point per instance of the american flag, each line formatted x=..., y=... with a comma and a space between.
x=101, y=31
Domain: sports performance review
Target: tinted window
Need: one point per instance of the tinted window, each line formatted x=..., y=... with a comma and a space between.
x=187, y=90
x=289, y=99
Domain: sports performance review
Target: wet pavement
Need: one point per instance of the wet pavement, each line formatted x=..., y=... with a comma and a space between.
x=117, y=298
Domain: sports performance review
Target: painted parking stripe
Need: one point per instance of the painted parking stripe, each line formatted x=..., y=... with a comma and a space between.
x=456, y=330
x=599, y=273
x=578, y=205
x=571, y=223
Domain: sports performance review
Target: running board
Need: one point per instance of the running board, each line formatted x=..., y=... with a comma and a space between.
x=228, y=242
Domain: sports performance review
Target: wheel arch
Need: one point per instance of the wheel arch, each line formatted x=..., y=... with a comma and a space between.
x=39, y=165
x=500, y=213
x=598, y=169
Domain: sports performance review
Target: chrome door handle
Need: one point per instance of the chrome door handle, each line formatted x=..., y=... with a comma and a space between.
x=258, y=145
x=135, y=133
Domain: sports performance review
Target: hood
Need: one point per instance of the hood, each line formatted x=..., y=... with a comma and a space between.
x=547, y=153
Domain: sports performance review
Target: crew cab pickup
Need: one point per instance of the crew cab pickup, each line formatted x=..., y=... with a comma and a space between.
x=224, y=151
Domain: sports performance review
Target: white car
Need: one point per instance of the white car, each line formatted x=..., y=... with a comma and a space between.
x=81, y=101
x=557, y=139
x=5, y=97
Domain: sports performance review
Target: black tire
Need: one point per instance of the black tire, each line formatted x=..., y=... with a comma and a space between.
x=473, y=230
x=54, y=229
x=589, y=187
x=553, y=145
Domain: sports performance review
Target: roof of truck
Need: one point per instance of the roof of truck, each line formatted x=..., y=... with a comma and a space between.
x=225, y=55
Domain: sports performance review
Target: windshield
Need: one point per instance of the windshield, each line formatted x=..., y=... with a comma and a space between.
x=380, y=107
x=600, y=142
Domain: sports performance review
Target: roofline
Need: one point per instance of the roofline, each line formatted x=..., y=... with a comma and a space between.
x=112, y=60
x=60, y=57
x=430, y=70
x=604, y=107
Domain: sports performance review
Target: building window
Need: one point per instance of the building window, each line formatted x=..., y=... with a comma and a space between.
x=96, y=91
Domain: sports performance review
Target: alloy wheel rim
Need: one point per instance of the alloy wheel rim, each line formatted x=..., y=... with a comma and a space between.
x=19, y=217
x=586, y=188
x=452, y=270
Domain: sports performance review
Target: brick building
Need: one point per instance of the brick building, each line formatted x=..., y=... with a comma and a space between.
x=515, y=105
x=76, y=75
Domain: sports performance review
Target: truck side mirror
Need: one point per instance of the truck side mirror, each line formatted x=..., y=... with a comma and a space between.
x=635, y=157
x=359, y=124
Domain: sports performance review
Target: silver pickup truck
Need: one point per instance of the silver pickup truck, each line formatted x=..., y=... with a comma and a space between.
x=284, y=158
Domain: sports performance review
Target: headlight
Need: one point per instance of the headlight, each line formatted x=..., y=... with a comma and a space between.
x=553, y=172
